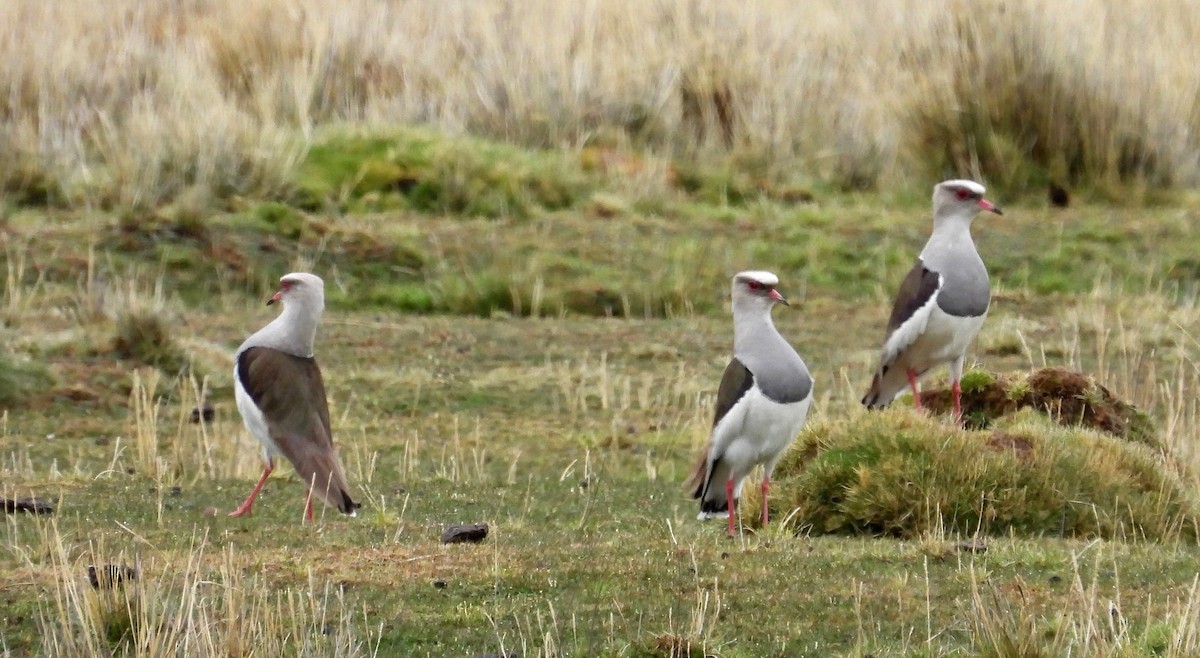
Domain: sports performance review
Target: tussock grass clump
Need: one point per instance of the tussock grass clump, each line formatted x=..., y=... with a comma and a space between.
x=901, y=473
x=144, y=336
x=1018, y=95
x=1067, y=396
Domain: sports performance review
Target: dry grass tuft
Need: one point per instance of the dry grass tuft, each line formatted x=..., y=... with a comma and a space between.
x=189, y=604
x=129, y=105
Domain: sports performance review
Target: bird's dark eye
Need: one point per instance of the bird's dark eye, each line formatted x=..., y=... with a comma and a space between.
x=963, y=195
x=754, y=285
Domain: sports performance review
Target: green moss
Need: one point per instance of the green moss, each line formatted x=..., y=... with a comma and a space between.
x=976, y=381
x=436, y=174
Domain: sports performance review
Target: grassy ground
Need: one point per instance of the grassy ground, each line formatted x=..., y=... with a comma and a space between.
x=570, y=434
x=527, y=320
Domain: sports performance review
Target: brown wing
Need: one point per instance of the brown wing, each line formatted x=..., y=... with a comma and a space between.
x=290, y=392
x=734, y=383
x=918, y=287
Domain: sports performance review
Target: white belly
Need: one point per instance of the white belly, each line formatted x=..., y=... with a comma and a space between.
x=254, y=419
x=945, y=339
x=759, y=432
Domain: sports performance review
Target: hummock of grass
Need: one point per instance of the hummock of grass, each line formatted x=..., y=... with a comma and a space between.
x=905, y=474
x=1069, y=397
x=425, y=172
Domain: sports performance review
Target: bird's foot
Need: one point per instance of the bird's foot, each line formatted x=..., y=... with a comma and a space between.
x=244, y=510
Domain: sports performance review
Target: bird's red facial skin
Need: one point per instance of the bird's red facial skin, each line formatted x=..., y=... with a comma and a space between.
x=962, y=194
x=754, y=285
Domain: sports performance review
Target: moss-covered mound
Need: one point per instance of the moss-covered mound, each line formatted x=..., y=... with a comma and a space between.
x=1069, y=397
x=903, y=473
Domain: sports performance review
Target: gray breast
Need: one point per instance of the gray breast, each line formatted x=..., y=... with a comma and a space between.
x=966, y=291
x=778, y=370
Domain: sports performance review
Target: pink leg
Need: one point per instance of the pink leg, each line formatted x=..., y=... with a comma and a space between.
x=731, y=502
x=957, y=402
x=308, y=507
x=245, y=508
x=912, y=381
x=766, y=485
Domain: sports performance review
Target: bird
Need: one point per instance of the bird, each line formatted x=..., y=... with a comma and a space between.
x=762, y=402
x=942, y=302
x=281, y=396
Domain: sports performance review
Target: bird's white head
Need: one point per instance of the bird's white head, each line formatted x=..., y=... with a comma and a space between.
x=960, y=199
x=756, y=289
x=300, y=291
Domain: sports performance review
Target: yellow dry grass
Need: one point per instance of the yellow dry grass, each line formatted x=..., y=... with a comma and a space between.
x=128, y=103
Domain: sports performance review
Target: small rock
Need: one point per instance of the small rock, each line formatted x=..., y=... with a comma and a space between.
x=28, y=505
x=176, y=491
x=51, y=436
x=1055, y=579
x=456, y=534
x=1059, y=196
x=204, y=412
x=109, y=575
x=210, y=511
x=102, y=440
x=974, y=545
x=439, y=584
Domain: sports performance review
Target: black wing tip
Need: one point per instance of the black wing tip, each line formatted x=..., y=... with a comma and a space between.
x=348, y=505
x=713, y=506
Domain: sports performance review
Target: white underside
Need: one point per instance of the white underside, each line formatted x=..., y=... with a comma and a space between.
x=943, y=339
x=253, y=418
x=756, y=431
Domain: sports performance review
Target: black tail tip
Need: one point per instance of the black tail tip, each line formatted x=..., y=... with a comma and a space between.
x=713, y=506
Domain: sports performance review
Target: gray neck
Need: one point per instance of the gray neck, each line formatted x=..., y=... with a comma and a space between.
x=293, y=332
x=952, y=234
x=751, y=321
x=952, y=254
x=778, y=370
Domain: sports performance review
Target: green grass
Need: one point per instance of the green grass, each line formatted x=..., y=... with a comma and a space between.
x=475, y=374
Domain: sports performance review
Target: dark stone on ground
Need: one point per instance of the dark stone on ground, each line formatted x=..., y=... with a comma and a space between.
x=28, y=505
x=456, y=534
x=109, y=576
x=1059, y=196
x=204, y=412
